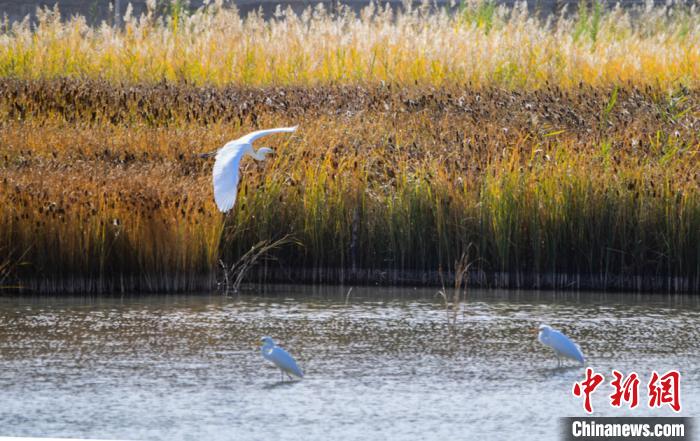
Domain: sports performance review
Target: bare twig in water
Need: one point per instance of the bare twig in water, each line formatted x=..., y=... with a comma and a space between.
x=234, y=274
x=443, y=294
x=462, y=267
x=347, y=296
x=462, y=272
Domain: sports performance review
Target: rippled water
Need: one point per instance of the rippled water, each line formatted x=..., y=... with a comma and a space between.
x=380, y=364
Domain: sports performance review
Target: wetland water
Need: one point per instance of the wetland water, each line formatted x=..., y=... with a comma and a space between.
x=382, y=364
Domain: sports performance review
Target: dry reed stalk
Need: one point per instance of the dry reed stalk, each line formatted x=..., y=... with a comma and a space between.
x=551, y=187
x=481, y=46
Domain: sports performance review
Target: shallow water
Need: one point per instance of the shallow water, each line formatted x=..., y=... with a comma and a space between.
x=379, y=364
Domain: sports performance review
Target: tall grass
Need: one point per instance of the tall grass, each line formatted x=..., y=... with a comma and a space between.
x=482, y=45
x=584, y=187
x=545, y=153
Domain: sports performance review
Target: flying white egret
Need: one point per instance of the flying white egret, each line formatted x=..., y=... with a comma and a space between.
x=228, y=159
x=280, y=358
x=560, y=343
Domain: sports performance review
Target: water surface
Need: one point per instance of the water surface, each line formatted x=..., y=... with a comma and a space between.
x=379, y=363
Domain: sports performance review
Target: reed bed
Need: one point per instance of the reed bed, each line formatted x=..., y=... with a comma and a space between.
x=480, y=45
x=585, y=187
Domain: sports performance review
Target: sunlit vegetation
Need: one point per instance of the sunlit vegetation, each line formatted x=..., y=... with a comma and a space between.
x=481, y=45
x=559, y=154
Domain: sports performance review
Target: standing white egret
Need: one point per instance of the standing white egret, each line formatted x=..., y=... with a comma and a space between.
x=228, y=159
x=560, y=343
x=280, y=358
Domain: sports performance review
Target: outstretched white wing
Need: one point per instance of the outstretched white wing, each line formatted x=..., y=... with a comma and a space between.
x=250, y=137
x=226, y=166
x=226, y=174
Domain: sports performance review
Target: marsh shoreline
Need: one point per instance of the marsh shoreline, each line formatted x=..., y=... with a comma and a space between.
x=263, y=276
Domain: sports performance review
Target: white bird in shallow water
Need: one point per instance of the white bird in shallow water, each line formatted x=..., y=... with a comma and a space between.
x=280, y=358
x=228, y=159
x=560, y=343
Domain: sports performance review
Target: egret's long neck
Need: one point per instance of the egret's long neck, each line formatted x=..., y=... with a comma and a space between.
x=266, y=348
x=258, y=156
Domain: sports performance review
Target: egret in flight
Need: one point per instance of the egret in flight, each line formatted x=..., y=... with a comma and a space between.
x=228, y=159
x=280, y=358
x=560, y=343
